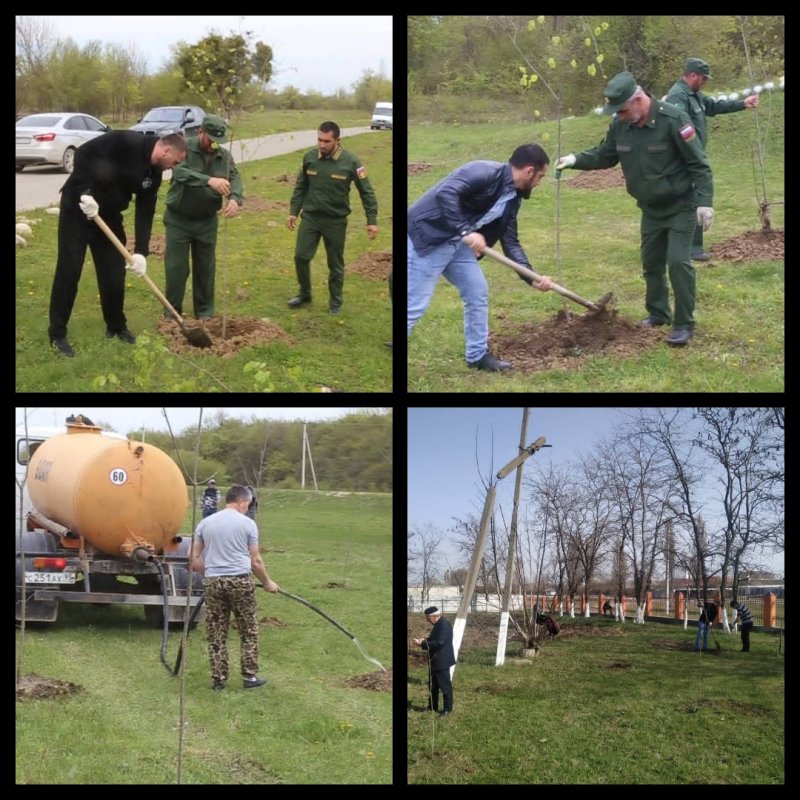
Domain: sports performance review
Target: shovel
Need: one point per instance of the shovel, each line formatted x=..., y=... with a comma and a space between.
x=529, y=273
x=195, y=336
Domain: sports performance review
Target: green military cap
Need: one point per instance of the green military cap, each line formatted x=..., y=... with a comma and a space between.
x=214, y=127
x=697, y=65
x=620, y=89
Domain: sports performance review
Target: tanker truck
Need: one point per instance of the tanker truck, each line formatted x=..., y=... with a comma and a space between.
x=100, y=522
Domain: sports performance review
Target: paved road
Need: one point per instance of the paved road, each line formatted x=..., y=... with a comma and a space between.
x=39, y=187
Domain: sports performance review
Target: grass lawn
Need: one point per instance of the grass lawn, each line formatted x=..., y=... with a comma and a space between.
x=603, y=703
x=255, y=278
x=308, y=725
x=739, y=342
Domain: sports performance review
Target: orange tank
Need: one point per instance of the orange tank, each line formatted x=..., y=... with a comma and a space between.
x=119, y=495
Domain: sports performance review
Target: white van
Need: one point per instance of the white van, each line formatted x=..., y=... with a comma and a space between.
x=381, y=117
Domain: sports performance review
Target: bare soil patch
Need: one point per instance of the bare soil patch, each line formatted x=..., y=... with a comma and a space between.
x=596, y=179
x=258, y=205
x=568, y=339
x=376, y=264
x=750, y=246
x=240, y=332
x=377, y=681
x=34, y=687
x=416, y=168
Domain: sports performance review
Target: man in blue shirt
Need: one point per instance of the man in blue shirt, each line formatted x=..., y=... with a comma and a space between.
x=743, y=614
x=477, y=202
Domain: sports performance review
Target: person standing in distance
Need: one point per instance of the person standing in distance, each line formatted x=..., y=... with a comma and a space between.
x=225, y=549
x=322, y=194
x=108, y=171
x=440, y=658
x=686, y=95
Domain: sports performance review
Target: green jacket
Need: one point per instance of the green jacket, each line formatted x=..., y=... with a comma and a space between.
x=189, y=194
x=698, y=106
x=323, y=186
x=660, y=161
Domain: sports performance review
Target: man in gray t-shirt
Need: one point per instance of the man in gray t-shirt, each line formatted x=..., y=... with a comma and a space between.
x=225, y=549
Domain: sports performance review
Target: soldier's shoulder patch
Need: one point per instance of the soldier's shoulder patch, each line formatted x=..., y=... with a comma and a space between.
x=361, y=172
x=687, y=133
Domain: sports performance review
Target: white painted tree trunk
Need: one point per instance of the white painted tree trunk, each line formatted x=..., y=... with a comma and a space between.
x=725, y=624
x=586, y=611
x=685, y=616
x=560, y=608
x=640, y=615
x=571, y=608
x=621, y=613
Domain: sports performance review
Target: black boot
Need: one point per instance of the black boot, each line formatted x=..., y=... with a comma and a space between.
x=62, y=345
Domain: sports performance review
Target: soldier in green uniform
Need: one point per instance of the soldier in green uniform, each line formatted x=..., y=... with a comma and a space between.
x=667, y=171
x=205, y=183
x=686, y=95
x=322, y=192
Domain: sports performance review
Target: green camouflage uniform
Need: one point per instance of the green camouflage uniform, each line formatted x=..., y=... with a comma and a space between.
x=698, y=107
x=667, y=171
x=191, y=221
x=322, y=192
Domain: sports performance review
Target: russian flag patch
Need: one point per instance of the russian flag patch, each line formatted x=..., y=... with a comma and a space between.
x=361, y=172
x=687, y=133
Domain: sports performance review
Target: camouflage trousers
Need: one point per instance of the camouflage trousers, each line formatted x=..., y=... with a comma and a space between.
x=223, y=596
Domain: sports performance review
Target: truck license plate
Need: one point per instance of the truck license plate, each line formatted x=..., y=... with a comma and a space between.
x=50, y=577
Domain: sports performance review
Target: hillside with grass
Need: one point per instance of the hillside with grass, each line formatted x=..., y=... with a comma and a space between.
x=587, y=239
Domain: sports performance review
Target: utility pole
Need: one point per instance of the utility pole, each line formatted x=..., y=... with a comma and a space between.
x=512, y=549
x=477, y=554
x=307, y=446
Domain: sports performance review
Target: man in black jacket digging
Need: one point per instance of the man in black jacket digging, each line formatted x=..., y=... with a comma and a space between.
x=440, y=658
x=109, y=170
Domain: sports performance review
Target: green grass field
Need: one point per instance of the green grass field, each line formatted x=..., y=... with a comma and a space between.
x=306, y=726
x=614, y=704
x=739, y=342
x=255, y=278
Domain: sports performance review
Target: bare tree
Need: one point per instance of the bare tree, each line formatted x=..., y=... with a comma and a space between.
x=426, y=554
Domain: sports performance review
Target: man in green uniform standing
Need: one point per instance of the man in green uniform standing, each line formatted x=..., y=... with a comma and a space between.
x=206, y=182
x=686, y=95
x=322, y=192
x=667, y=171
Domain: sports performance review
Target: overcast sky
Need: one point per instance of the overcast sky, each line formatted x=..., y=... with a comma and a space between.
x=125, y=420
x=443, y=478
x=309, y=52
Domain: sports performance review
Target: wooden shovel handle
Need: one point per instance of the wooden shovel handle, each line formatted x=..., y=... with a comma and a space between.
x=101, y=223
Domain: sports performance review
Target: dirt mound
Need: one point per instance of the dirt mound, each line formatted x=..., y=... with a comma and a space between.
x=597, y=179
x=284, y=178
x=34, y=687
x=751, y=246
x=376, y=265
x=414, y=169
x=377, y=681
x=240, y=332
x=158, y=242
x=568, y=339
x=256, y=204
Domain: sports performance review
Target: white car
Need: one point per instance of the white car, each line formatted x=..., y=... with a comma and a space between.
x=54, y=138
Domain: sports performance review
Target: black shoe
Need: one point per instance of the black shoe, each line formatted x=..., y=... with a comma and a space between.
x=489, y=363
x=218, y=686
x=252, y=683
x=334, y=310
x=444, y=713
x=652, y=322
x=63, y=346
x=124, y=335
x=679, y=338
x=298, y=301
x=701, y=256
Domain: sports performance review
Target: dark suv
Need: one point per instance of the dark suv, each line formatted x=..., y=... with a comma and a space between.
x=171, y=119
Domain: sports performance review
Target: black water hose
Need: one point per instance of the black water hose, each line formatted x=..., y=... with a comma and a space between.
x=318, y=610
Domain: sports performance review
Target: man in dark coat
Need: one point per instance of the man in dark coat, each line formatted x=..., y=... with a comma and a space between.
x=440, y=658
x=109, y=170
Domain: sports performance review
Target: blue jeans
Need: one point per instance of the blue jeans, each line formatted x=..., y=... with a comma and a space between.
x=702, y=632
x=456, y=262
